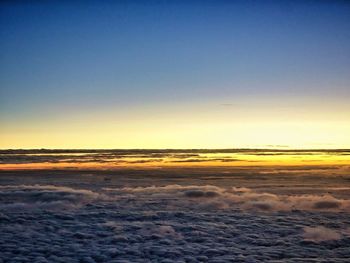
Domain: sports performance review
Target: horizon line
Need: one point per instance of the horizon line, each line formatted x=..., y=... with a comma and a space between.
x=174, y=149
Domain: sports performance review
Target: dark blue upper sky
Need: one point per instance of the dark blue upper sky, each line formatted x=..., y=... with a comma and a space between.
x=67, y=57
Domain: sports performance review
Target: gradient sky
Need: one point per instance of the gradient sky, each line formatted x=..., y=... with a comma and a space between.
x=175, y=74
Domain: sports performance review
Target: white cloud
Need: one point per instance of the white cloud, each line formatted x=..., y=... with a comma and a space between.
x=320, y=233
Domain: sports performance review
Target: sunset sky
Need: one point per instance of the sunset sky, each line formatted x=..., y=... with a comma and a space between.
x=175, y=74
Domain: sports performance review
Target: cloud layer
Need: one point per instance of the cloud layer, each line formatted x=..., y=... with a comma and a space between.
x=169, y=223
x=19, y=197
x=237, y=197
x=219, y=156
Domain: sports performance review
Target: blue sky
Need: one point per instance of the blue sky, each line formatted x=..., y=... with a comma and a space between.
x=63, y=59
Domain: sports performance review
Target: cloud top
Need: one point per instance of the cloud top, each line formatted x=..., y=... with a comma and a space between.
x=319, y=234
x=32, y=197
x=236, y=197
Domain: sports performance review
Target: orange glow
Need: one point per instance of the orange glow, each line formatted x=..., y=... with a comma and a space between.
x=201, y=160
x=186, y=126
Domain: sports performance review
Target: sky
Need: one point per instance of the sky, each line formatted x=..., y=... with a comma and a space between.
x=174, y=74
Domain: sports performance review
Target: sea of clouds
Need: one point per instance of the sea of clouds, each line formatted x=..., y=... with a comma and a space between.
x=170, y=223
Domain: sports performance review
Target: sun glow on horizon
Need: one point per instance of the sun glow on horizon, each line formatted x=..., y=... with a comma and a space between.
x=157, y=159
x=181, y=129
